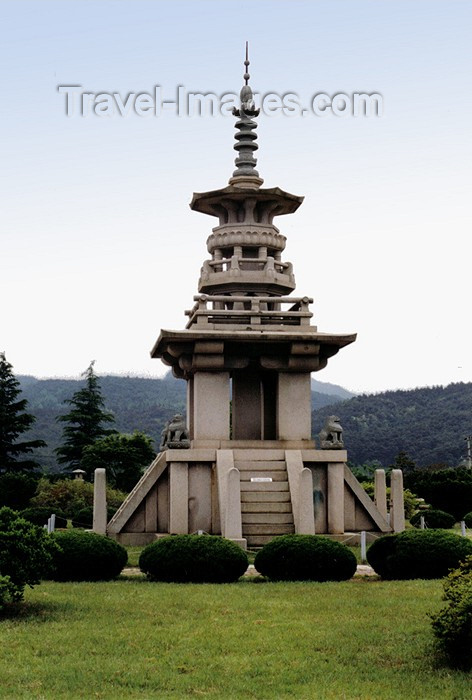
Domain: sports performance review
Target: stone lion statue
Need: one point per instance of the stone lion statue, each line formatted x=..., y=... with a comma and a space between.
x=331, y=437
x=175, y=434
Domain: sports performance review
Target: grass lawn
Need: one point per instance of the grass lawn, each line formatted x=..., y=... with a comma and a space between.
x=363, y=639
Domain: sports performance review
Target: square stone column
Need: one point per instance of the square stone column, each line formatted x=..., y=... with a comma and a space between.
x=178, y=498
x=294, y=406
x=336, y=498
x=100, y=502
x=211, y=406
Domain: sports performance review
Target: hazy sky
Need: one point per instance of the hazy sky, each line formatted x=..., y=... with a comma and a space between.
x=99, y=249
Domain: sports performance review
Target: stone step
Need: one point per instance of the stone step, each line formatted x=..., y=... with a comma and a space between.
x=261, y=486
x=260, y=466
x=268, y=529
x=257, y=541
x=266, y=518
x=275, y=476
x=265, y=496
x=266, y=507
x=255, y=455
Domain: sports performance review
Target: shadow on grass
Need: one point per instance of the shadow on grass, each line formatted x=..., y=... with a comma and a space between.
x=38, y=611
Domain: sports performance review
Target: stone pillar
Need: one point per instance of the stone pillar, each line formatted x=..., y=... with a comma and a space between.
x=336, y=498
x=247, y=405
x=306, y=513
x=211, y=406
x=294, y=406
x=190, y=407
x=397, y=508
x=178, y=498
x=100, y=502
x=380, y=492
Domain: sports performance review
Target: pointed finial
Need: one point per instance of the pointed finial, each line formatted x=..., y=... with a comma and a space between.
x=246, y=174
x=246, y=63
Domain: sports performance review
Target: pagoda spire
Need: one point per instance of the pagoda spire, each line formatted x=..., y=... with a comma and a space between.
x=246, y=174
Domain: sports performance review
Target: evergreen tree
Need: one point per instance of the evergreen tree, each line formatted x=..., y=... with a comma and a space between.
x=13, y=422
x=84, y=422
x=404, y=462
x=123, y=456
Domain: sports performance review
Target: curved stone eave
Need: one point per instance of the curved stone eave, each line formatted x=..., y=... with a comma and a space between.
x=332, y=342
x=210, y=202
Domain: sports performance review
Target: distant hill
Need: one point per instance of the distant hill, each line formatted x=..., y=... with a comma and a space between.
x=429, y=424
x=326, y=394
x=138, y=403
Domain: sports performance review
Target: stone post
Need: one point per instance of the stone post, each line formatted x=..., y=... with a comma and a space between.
x=100, y=502
x=336, y=498
x=397, y=508
x=380, y=492
x=233, y=522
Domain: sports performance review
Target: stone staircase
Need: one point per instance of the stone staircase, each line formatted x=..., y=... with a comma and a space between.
x=266, y=507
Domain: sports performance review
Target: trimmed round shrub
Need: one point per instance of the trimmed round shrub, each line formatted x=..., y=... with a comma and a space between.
x=39, y=515
x=193, y=559
x=305, y=558
x=418, y=554
x=468, y=519
x=434, y=519
x=87, y=556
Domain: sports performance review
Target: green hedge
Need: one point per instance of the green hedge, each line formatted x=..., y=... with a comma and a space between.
x=87, y=556
x=434, y=519
x=193, y=559
x=418, y=554
x=305, y=558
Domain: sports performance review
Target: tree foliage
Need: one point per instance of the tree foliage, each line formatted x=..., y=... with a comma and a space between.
x=14, y=421
x=137, y=403
x=123, y=456
x=85, y=421
x=71, y=495
x=445, y=489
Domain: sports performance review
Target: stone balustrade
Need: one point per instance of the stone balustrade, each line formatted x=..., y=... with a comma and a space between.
x=243, y=310
x=234, y=263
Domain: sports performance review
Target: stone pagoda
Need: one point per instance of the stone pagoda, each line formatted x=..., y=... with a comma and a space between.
x=245, y=465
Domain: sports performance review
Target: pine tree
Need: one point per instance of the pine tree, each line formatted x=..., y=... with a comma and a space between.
x=85, y=421
x=14, y=421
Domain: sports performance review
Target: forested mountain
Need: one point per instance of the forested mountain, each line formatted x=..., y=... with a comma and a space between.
x=429, y=424
x=326, y=394
x=137, y=403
